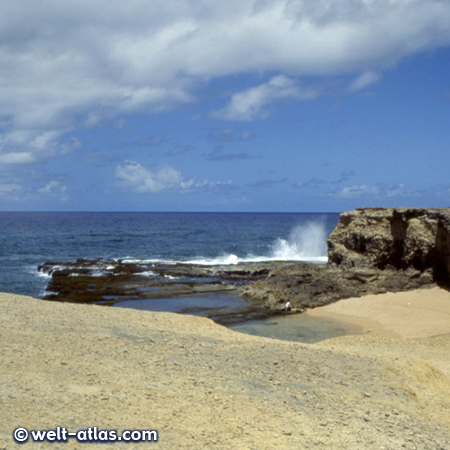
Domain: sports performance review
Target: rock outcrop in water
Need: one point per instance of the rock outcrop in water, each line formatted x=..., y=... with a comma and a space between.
x=372, y=250
x=109, y=282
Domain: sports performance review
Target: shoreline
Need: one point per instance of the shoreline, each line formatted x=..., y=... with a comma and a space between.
x=202, y=384
x=420, y=313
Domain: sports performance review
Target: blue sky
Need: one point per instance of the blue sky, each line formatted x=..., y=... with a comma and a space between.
x=244, y=105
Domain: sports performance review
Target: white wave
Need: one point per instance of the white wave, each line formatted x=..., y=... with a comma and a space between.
x=148, y=273
x=219, y=261
x=305, y=243
x=148, y=261
x=170, y=277
x=137, y=261
x=45, y=292
x=99, y=273
x=40, y=274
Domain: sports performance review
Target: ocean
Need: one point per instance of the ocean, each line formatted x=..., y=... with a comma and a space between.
x=28, y=239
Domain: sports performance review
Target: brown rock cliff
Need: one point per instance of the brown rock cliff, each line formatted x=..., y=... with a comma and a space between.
x=397, y=238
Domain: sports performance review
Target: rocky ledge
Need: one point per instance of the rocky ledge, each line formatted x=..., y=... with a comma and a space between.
x=372, y=250
x=210, y=291
x=395, y=238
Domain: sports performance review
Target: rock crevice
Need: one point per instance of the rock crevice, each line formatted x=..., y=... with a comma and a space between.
x=393, y=238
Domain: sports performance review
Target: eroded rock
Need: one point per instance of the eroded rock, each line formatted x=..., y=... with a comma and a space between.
x=311, y=285
x=395, y=238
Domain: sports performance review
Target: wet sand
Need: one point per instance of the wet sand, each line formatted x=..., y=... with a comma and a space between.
x=306, y=328
x=414, y=314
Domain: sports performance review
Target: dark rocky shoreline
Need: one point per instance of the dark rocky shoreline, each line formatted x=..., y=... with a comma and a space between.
x=371, y=251
x=309, y=286
x=110, y=282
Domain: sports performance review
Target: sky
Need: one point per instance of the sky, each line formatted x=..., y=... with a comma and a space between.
x=206, y=105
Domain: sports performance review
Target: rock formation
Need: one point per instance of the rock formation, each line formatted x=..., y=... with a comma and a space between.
x=396, y=238
x=371, y=251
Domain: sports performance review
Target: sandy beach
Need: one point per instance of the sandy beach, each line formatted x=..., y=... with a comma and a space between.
x=203, y=386
x=414, y=314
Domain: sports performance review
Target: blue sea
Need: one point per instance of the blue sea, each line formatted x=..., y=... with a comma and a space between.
x=28, y=239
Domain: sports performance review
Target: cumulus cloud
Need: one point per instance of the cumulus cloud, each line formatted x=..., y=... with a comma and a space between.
x=29, y=146
x=65, y=64
x=250, y=104
x=137, y=178
x=384, y=191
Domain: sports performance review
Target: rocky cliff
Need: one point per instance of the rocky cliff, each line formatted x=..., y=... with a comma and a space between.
x=393, y=238
x=371, y=251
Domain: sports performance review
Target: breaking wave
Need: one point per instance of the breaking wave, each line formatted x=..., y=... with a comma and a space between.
x=306, y=242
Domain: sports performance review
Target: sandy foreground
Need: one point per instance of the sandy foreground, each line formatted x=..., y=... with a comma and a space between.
x=203, y=386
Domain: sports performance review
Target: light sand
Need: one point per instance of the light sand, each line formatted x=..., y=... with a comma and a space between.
x=414, y=314
x=203, y=386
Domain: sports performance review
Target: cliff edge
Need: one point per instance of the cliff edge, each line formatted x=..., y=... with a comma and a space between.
x=393, y=238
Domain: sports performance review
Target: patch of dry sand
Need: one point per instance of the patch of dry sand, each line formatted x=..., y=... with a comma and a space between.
x=413, y=314
x=204, y=386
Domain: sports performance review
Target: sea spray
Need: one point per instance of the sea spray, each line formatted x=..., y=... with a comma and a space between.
x=305, y=242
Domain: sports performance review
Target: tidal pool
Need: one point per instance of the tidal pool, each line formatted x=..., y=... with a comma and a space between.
x=298, y=328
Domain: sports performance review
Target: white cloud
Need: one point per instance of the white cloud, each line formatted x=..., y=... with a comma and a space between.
x=29, y=146
x=250, y=104
x=381, y=191
x=137, y=178
x=17, y=158
x=9, y=188
x=53, y=188
x=365, y=80
x=64, y=64
x=358, y=191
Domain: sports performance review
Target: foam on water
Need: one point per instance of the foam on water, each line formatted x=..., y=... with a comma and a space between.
x=306, y=242
x=39, y=274
x=219, y=261
x=148, y=273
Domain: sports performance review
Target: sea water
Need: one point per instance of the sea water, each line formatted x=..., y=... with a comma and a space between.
x=28, y=239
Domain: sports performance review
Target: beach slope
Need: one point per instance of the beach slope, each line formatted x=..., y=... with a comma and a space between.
x=204, y=386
